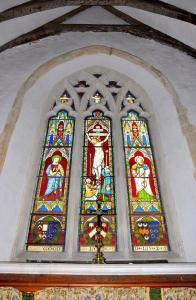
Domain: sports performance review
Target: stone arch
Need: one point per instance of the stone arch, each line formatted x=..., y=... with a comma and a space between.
x=30, y=84
x=63, y=58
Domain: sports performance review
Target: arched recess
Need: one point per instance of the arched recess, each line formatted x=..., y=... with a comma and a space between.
x=154, y=92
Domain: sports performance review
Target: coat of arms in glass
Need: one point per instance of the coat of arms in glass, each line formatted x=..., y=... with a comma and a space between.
x=48, y=218
x=97, y=184
x=148, y=228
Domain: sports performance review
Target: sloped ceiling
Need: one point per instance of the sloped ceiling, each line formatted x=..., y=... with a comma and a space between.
x=189, y=5
x=5, y=4
x=95, y=15
x=15, y=27
x=36, y=19
x=180, y=30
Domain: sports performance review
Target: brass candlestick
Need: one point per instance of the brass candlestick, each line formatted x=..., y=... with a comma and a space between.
x=99, y=256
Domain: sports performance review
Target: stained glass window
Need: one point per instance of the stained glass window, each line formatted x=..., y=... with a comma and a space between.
x=97, y=184
x=94, y=188
x=48, y=218
x=148, y=228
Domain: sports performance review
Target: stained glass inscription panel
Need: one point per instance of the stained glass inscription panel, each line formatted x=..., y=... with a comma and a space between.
x=97, y=183
x=148, y=229
x=48, y=219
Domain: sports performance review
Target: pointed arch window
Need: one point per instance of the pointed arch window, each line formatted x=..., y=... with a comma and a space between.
x=48, y=218
x=97, y=184
x=148, y=228
x=101, y=106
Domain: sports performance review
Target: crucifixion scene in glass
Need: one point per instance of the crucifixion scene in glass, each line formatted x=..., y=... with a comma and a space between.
x=114, y=170
x=97, y=184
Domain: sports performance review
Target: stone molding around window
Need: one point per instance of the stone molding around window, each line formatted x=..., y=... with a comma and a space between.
x=98, y=88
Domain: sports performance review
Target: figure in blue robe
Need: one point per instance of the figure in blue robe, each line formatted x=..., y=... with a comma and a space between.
x=55, y=175
x=106, y=187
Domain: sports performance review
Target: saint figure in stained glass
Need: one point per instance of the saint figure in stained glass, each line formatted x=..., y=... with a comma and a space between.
x=142, y=178
x=55, y=174
x=147, y=220
x=48, y=220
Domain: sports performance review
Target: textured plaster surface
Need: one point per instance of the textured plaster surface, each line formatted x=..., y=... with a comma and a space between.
x=175, y=161
x=95, y=15
x=15, y=27
x=5, y=4
x=180, y=30
x=188, y=5
x=179, y=68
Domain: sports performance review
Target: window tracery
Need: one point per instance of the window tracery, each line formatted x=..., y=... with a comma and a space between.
x=101, y=95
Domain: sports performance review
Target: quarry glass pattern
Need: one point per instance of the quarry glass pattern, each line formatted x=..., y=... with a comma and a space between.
x=97, y=184
x=148, y=229
x=48, y=218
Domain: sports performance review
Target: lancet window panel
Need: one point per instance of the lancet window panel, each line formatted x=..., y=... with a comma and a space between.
x=147, y=220
x=94, y=187
x=48, y=218
x=98, y=188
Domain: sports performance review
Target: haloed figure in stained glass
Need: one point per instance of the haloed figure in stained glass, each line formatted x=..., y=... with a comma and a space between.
x=55, y=175
x=141, y=173
x=98, y=169
x=98, y=161
x=106, y=187
x=139, y=157
x=98, y=183
x=48, y=220
x=147, y=220
x=52, y=183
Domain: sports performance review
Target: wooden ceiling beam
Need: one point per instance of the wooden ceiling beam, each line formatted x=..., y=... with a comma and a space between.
x=155, y=6
x=68, y=15
x=142, y=30
x=48, y=29
x=136, y=28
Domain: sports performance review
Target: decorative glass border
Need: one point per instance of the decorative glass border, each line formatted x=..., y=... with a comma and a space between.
x=98, y=186
x=147, y=219
x=48, y=218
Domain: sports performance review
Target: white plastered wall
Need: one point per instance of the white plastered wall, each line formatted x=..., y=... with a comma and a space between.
x=176, y=169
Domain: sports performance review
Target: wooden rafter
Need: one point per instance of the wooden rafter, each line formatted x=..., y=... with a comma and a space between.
x=140, y=29
x=68, y=15
x=136, y=28
x=155, y=6
x=48, y=29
